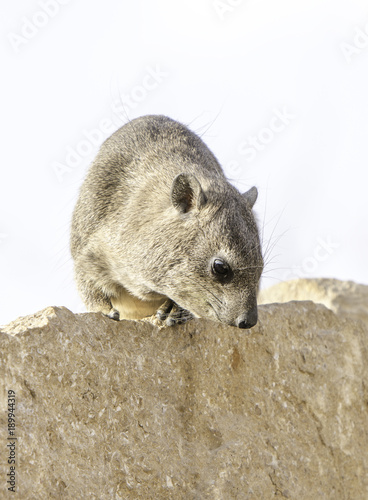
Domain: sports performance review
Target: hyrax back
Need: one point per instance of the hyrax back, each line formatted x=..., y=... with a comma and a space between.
x=157, y=228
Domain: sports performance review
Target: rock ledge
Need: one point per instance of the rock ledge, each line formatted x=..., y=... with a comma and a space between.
x=124, y=410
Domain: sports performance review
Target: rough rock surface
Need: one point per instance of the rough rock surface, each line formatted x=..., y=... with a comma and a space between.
x=123, y=410
x=343, y=297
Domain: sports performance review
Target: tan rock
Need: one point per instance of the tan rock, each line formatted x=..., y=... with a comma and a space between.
x=123, y=410
x=343, y=297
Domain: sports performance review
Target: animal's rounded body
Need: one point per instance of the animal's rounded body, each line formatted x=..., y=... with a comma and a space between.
x=157, y=227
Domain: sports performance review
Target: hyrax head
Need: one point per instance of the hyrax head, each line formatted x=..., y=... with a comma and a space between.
x=217, y=273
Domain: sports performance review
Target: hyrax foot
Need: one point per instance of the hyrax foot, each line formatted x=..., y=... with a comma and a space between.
x=114, y=314
x=172, y=314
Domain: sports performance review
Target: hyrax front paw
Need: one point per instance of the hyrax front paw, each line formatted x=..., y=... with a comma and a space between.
x=172, y=314
x=114, y=314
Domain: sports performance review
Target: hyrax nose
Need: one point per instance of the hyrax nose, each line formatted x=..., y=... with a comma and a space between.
x=248, y=319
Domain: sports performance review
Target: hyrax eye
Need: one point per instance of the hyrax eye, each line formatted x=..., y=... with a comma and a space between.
x=220, y=268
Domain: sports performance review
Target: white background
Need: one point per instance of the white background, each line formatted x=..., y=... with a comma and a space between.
x=227, y=68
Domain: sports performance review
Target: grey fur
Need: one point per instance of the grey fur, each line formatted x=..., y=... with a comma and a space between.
x=153, y=213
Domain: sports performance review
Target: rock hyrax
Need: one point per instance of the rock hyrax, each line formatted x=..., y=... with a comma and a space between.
x=158, y=229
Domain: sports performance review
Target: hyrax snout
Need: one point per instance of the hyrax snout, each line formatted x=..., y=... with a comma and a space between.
x=158, y=229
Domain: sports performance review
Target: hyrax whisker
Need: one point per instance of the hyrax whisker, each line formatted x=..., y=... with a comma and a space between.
x=217, y=299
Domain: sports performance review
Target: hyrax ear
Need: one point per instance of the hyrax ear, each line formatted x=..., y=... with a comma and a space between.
x=187, y=193
x=251, y=196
